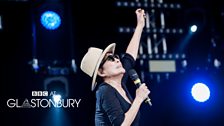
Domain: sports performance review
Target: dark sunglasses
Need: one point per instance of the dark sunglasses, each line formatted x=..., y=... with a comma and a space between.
x=109, y=58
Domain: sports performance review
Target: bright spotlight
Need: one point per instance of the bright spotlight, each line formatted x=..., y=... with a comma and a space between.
x=50, y=20
x=193, y=28
x=56, y=98
x=200, y=92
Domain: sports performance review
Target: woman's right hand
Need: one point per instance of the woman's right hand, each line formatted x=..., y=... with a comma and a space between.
x=142, y=93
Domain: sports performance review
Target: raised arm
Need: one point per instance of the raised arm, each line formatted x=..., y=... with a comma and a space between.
x=133, y=45
x=142, y=92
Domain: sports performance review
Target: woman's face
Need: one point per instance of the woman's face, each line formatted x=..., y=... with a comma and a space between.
x=112, y=66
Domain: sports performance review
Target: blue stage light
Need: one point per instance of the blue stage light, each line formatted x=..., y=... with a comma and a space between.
x=200, y=92
x=35, y=65
x=50, y=20
x=193, y=28
x=57, y=98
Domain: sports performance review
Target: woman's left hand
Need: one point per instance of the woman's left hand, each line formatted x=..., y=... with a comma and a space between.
x=140, y=13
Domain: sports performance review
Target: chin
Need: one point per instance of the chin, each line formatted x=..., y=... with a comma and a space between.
x=120, y=71
x=123, y=71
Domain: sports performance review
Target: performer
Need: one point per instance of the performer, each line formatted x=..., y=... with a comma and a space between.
x=114, y=104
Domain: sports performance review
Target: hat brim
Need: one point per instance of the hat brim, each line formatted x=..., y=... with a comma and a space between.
x=110, y=48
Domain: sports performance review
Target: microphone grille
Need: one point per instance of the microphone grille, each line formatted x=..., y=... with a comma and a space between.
x=133, y=74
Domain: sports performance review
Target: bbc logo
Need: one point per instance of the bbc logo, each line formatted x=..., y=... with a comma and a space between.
x=39, y=93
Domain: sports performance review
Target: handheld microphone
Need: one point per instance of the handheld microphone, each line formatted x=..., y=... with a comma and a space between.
x=135, y=78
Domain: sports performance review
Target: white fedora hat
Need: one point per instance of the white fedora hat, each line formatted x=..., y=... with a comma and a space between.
x=91, y=61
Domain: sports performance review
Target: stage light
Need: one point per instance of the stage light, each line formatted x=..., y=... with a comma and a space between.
x=200, y=92
x=56, y=98
x=35, y=65
x=193, y=28
x=50, y=20
x=57, y=85
x=73, y=65
x=184, y=63
x=217, y=63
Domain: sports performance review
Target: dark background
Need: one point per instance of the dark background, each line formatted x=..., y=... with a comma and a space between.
x=95, y=23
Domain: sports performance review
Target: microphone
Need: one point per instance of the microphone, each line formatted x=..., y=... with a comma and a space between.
x=135, y=78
